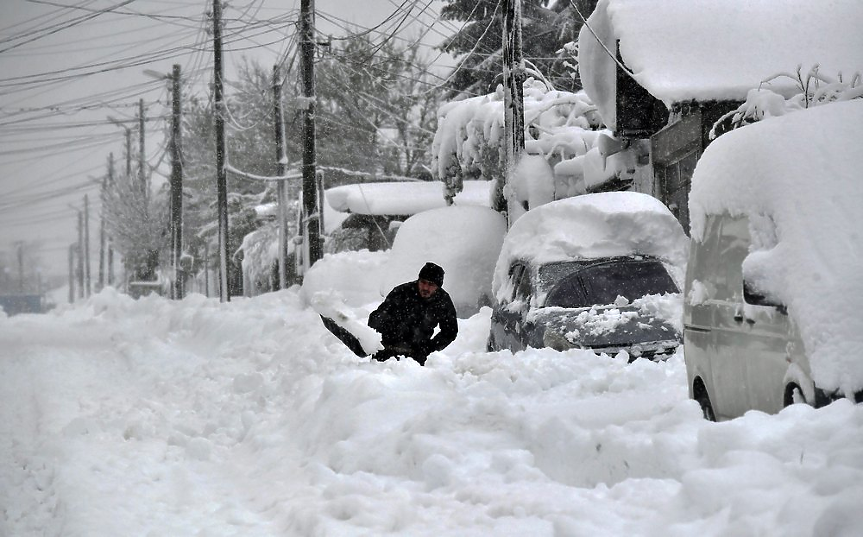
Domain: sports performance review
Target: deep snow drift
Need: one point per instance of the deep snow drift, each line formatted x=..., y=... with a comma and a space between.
x=154, y=417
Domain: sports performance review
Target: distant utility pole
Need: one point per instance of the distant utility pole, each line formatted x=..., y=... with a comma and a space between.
x=20, y=246
x=221, y=169
x=176, y=185
x=87, y=243
x=310, y=193
x=281, y=168
x=103, y=239
x=80, y=254
x=513, y=99
x=71, y=273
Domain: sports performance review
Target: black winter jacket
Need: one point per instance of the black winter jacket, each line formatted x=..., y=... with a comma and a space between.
x=407, y=321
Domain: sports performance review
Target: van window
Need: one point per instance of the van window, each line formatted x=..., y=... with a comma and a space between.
x=702, y=255
x=731, y=249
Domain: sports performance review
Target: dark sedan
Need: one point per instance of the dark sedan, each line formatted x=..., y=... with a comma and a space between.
x=585, y=304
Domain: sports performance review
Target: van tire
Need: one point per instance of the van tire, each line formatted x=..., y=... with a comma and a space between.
x=699, y=393
x=793, y=394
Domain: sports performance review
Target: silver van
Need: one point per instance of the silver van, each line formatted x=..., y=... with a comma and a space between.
x=772, y=289
x=741, y=352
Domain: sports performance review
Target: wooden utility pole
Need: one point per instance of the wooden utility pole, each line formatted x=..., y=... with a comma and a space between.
x=281, y=169
x=128, y=154
x=71, y=273
x=87, y=244
x=310, y=193
x=513, y=99
x=176, y=185
x=221, y=169
x=142, y=160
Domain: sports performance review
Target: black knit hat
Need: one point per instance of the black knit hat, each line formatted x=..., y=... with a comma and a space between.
x=432, y=273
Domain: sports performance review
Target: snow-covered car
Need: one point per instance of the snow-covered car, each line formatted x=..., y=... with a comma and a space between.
x=771, y=315
x=464, y=240
x=597, y=271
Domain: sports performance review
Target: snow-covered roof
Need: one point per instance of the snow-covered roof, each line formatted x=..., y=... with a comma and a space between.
x=803, y=171
x=591, y=226
x=403, y=197
x=681, y=50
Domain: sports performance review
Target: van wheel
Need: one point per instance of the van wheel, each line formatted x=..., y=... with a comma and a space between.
x=793, y=394
x=699, y=393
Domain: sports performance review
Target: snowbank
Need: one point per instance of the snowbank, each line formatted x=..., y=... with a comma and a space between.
x=354, y=276
x=159, y=417
x=798, y=176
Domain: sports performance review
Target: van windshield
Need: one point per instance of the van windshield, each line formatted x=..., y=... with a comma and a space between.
x=602, y=283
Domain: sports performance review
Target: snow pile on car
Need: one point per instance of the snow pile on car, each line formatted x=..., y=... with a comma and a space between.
x=798, y=177
x=465, y=241
x=591, y=226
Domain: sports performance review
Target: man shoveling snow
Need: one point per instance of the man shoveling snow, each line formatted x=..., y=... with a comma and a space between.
x=404, y=324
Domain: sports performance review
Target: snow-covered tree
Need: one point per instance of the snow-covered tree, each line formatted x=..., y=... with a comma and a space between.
x=547, y=27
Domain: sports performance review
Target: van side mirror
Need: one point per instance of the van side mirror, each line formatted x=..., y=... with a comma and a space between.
x=756, y=298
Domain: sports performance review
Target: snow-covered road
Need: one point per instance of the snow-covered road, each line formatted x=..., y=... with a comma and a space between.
x=154, y=417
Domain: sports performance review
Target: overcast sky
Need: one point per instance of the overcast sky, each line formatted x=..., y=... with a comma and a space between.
x=60, y=65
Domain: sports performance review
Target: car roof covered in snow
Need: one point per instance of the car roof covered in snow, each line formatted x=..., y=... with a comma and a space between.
x=403, y=197
x=591, y=226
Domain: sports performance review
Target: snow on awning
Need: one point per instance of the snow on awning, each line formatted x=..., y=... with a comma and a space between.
x=681, y=50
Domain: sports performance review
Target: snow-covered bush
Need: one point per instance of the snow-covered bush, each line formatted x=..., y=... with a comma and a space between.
x=561, y=127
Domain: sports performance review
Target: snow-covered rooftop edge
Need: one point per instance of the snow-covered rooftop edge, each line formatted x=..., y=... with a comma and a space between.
x=681, y=50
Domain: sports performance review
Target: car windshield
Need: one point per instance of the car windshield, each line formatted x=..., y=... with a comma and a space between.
x=602, y=283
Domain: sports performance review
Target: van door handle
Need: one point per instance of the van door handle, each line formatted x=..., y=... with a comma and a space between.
x=738, y=317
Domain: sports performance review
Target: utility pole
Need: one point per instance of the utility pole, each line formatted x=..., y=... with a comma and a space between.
x=111, y=182
x=20, y=246
x=80, y=254
x=513, y=99
x=102, y=237
x=87, y=244
x=71, y=273
x=221, y=169
x=142, y=160
x=128, y=154
x=281, y=168
x=176, y=185
x=310, y=194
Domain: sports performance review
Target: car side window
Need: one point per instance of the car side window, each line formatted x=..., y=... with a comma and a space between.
x=515, y=273
x=523, y=289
